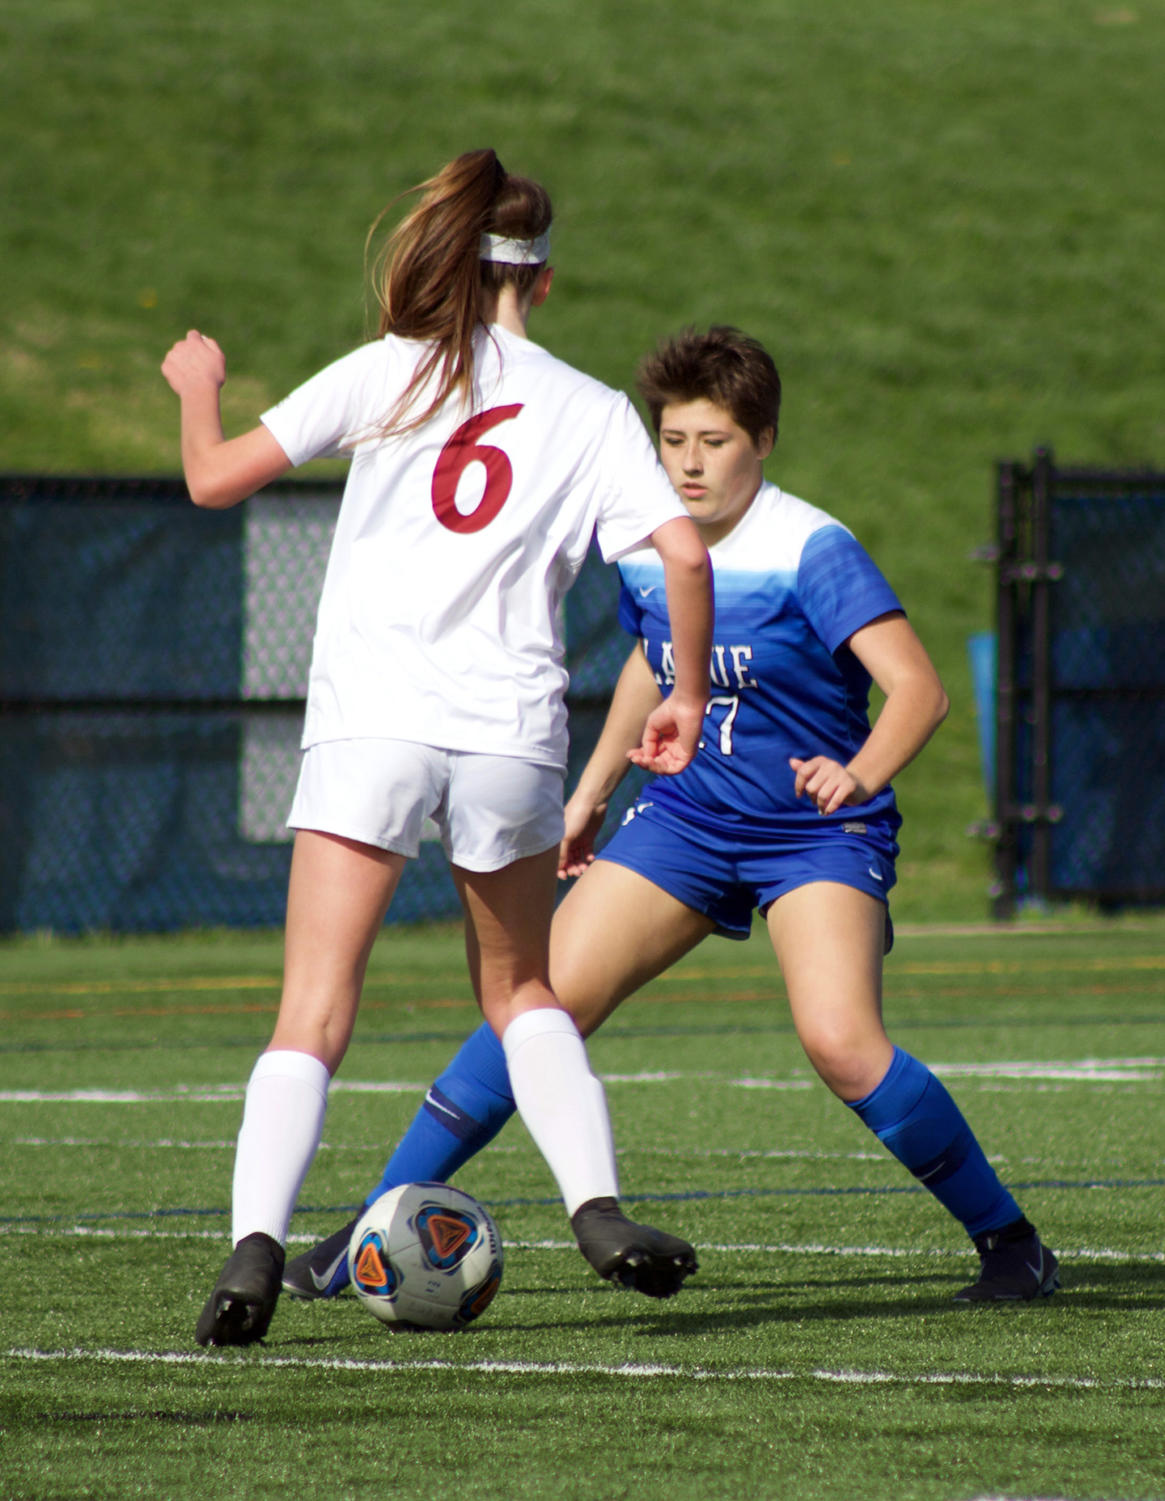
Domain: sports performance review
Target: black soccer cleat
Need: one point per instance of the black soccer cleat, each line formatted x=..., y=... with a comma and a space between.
x=1014, y=1267
x=239, y=1309
x=636, y=1256
x=321, y=1272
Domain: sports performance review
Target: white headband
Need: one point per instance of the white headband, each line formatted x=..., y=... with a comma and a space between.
x=514, y=252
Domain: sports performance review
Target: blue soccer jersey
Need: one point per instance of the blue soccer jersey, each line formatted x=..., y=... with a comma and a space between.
x=792, y=585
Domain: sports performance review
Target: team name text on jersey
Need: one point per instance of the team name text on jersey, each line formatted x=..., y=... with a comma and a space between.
x=729, y=667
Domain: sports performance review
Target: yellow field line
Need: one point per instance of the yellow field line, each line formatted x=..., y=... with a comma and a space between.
x=957, y=967
x=140, y=987
x=950, y=967
x=190, y=983
x=1032, y=966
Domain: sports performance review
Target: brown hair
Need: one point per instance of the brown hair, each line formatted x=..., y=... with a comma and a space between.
x=723, y=366
x=428, y=277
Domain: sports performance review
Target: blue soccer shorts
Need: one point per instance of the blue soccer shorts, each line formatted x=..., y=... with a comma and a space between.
x=728, y=878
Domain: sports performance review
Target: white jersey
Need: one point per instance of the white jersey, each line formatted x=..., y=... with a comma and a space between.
x=456, y=542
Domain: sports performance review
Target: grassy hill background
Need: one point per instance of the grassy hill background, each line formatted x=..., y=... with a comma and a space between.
x=944, y=220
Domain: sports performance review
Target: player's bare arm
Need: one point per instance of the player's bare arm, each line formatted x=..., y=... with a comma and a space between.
x=219, y=471
x=916, y=704
x=636, y=696
x=672, y=732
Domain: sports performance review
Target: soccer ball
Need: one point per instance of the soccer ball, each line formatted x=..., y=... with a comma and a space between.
x=426, y=1256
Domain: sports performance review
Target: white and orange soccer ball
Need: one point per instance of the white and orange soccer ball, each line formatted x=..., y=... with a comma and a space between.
x=426, y=1256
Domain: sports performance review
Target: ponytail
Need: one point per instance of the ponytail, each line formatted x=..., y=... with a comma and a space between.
x=428, y=277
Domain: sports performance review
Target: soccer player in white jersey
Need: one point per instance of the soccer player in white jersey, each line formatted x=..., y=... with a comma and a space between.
x=481, y=467
x=786, y=809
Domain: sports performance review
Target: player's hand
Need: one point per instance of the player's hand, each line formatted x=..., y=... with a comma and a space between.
x=671, y=737
x=195, y=364
x=827, y=782
x=577, y=850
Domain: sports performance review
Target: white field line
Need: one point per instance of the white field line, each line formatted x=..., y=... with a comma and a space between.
x=162, y=1144
x=556, y=1369
x=496, y=1149
x=1083, y=1071
x=813, y=1248
x=1078, y=1071
x=117, y=1233
x=184, y=1094
x=224, y=1144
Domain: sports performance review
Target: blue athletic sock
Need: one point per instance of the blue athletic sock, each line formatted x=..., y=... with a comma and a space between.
x=913, y=1116
x=463, y=1112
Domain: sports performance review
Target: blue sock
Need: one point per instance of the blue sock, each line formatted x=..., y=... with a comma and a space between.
x=913, y=1116
x=463, y=1112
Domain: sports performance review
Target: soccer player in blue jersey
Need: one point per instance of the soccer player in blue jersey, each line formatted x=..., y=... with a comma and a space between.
x=787, y=809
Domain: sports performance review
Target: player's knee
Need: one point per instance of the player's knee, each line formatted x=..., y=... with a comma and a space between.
x=324, y=1035
x=848, y=1062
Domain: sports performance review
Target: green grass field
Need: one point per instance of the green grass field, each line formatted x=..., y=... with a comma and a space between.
x=816, y=1354
x=944, y=219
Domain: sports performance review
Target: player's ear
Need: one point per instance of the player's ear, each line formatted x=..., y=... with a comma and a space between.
x=542, y=286
x=766, y=443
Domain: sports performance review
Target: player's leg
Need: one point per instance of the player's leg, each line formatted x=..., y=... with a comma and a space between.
x=644, y=931
x=828, y=941
x=338, y=894
x=561, y=1102
x=614, y=932
x=463, y=1110
x=828, y=938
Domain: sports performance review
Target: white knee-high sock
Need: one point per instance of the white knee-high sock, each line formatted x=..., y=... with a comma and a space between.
x=283, y=1120
x=562, y=1104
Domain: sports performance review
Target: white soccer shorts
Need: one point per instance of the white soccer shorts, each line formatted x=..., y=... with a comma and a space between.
x=489, y=810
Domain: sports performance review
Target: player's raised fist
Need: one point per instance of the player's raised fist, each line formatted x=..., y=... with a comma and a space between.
x=195, y=362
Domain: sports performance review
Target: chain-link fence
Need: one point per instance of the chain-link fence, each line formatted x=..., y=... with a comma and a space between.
x=153, y=661
x=1080, y=693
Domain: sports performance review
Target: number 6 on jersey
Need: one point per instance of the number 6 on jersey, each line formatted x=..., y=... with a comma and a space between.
x=462, y=450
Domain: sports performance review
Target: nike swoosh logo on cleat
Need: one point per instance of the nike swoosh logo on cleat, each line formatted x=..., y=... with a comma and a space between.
x=1037, y=1271
x=329, y=1272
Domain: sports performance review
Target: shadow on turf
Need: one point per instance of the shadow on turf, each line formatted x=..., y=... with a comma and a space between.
x=883, y=1298
x=1113, y=1284
x=836, y=1300
x=36, y=1418
x=607, y=1307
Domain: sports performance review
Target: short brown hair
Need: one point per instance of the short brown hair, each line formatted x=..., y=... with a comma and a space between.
x=723, y=366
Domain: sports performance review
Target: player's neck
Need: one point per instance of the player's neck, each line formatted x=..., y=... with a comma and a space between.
x=508, y=311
